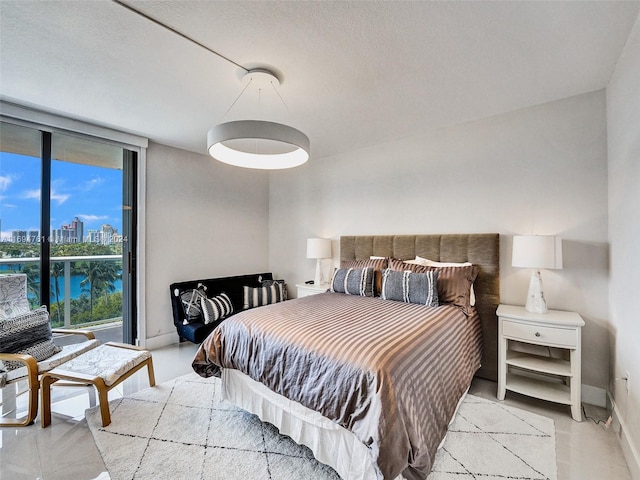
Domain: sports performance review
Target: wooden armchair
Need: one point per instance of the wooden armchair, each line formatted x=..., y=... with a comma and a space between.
x=31, y=372
x=19, y=335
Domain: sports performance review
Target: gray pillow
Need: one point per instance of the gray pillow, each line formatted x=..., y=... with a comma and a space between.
x=353, y=281
x=29, y=334
x=216, y=308
x=409, y=287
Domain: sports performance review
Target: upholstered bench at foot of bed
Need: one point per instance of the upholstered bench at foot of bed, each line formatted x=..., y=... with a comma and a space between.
x=104, y=367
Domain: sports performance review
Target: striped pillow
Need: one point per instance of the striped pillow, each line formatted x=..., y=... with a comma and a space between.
x=454, y=283
x=29, y=334
x=409, y=287
x=260, y=296
x=281, y=284
x=216, y=308
x=353, y=281
x=378, y=264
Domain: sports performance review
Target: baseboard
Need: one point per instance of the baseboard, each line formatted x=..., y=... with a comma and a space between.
x=629, y=450
x=160, y=341
x=594, y=396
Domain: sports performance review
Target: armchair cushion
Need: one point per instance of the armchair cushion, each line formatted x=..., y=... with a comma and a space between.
x=29, y=334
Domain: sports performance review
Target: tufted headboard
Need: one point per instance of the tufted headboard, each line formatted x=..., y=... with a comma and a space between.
x=482, y=249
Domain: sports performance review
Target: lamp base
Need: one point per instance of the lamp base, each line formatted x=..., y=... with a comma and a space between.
x=535, y=298
x=318, y=278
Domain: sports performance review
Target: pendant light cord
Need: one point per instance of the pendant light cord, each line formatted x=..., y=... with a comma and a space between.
x=186, y=37
x=237, y=98
x=283, y=102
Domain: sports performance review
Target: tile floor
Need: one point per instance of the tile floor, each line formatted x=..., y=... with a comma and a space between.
x=66, y=450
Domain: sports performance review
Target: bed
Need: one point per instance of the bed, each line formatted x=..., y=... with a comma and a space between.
x=369, y=385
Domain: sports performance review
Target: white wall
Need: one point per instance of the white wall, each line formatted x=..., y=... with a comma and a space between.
x=540, y=170
x=623, y=117
x=204, y=219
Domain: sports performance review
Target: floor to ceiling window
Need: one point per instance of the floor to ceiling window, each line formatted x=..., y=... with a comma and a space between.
x=67, y=218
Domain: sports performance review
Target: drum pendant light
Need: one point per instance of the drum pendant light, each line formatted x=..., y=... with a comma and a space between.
x=248, y=143
x=258, y=143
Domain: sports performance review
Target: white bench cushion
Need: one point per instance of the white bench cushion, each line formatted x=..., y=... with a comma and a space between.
x=68, y=352
x=107, y=362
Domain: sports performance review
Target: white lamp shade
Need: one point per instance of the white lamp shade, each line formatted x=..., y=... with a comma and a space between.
x=255, y=130
x=318, y=248
x=537, y=251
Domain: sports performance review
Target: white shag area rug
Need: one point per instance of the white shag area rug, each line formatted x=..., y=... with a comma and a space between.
x=183, y=429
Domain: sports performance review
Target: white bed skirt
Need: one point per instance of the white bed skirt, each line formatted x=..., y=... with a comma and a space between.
x=330, y=443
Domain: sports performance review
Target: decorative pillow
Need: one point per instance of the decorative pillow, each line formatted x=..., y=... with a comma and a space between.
x=410, y=287
x=353, y=281
x=378, y=264
x=192, y=304
x=454, y=283
x=14, y=295
x=12, y=308
x=216, y=308
x=29, y=334
x=431, y=263
x=260, y=296
x=281, y=284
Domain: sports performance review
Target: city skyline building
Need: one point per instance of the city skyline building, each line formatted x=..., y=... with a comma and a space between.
x=70, y=233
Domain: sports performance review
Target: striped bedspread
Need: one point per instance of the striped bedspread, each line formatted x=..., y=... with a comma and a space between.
x=390, y=372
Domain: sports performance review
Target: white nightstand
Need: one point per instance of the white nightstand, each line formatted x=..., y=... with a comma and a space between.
x=304, y=289
x=555, y=379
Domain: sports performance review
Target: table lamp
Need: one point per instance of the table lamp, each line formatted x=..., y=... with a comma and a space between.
x=537, y=251
x=318, y=248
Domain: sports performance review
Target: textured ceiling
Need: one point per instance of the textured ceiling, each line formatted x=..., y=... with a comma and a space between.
x=353, y=73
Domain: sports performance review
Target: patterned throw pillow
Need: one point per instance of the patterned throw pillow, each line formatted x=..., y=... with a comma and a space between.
x=260, y=296
x=454, y=283
x=191, y=303
x=378, y=264
x=353, y=281
x=13, y=290
x=409, y=287
x=29, y=334
x=281, y=284
x=216, y=308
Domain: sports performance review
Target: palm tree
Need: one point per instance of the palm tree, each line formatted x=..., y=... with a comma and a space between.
x=100, y=276
x=33, y=280
x=57, y=271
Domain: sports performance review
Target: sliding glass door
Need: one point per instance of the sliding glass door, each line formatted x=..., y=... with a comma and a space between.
x=20, y=200
x=72, y=203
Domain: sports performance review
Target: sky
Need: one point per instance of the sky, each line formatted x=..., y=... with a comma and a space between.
x=93, y=194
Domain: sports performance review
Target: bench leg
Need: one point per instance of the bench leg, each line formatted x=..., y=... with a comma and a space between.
x=152, y=377
x=45, y=393
x=103, y=398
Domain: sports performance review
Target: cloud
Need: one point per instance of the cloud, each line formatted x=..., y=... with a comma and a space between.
x=5, y=181
x=32, y=194
x=94, y=182
x=91, y=218
x=59, y=198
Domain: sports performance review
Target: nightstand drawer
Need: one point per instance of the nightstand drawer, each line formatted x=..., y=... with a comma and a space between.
x=564, y=337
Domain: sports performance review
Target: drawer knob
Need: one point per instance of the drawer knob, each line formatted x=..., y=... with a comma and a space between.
x=537, y=334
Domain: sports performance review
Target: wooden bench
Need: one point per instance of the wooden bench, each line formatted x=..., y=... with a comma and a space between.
x=104, y=367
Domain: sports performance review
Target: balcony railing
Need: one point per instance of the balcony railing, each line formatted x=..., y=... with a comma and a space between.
x=20, y=262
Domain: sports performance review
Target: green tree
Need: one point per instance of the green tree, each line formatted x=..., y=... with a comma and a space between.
x=32, y=270
x=100, y=277
x=57, y=271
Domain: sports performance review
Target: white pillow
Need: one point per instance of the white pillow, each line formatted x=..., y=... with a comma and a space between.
x=431, y=263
